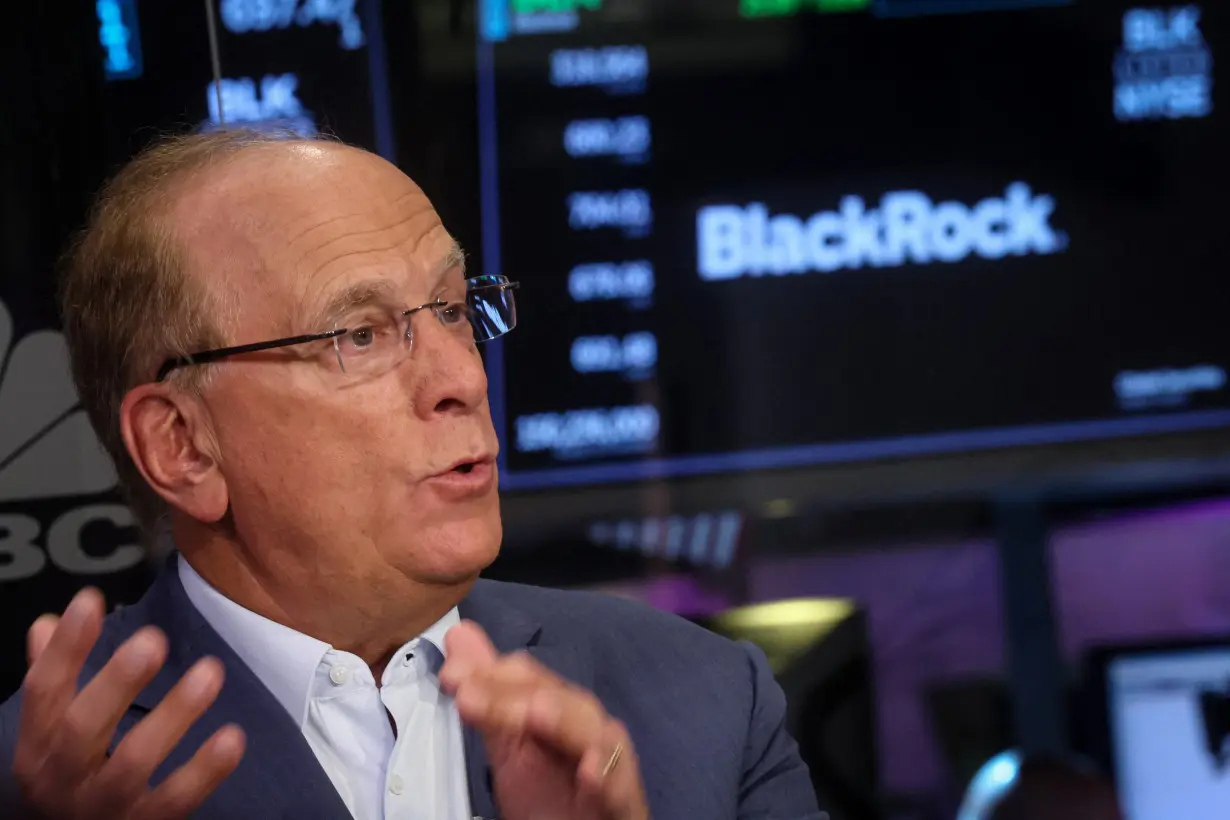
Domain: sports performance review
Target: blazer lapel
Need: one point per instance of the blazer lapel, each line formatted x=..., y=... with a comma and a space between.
x=279, y=775
x=511, y=629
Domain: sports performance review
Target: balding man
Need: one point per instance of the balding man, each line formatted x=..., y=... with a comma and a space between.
x=276, y=341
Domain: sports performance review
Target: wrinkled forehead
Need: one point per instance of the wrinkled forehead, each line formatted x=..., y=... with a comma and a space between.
x=291, y=233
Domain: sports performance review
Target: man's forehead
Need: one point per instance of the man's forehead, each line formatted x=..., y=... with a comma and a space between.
x=445, y=279
x=295, y=224
x=281, y=184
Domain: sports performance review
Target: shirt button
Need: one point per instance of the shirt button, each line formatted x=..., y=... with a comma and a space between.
x=338, y=675
x=396, y=786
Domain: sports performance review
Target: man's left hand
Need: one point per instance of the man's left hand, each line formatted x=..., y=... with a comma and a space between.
x=555, y=752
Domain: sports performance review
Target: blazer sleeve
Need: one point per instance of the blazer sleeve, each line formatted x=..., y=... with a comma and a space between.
x=10, y=712
x=776, y=784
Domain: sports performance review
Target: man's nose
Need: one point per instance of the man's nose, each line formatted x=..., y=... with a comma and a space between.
x=448, y=372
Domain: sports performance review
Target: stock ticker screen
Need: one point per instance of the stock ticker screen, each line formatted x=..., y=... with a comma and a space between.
x=298, y=66
x=767, y=233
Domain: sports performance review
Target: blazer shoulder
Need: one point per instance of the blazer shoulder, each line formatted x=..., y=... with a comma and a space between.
x=601, y=618
x=119, y=626
x=10, y=714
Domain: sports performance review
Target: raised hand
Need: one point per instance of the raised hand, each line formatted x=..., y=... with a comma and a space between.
x=555, y=752
x=60, y=761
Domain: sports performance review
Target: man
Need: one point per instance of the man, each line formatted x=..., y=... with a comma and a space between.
x=277, y=343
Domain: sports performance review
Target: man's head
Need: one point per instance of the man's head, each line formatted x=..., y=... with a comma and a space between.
x=308, y=469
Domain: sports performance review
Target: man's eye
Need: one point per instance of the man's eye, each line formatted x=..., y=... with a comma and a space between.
x=362, y=337
x=453, y=313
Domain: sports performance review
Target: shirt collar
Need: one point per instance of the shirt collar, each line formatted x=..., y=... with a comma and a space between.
x=283, y=659
x=434, y=637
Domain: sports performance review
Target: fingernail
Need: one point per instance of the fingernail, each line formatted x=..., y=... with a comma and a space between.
x=231, y=741
x=45, y=618
x=201, y=679
x=140, y=654
x=81, y=605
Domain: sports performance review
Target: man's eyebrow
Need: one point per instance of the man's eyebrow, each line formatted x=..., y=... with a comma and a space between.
x=378, y=291
x=356, y=294
x=455, y=259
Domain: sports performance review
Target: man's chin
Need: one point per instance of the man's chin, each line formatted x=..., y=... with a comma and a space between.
x=456, y=554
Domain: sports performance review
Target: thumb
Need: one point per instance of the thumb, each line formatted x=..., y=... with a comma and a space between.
x=467, y=649
x=39, y=636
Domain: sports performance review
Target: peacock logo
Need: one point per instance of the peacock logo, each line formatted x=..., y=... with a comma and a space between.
x=50, y=459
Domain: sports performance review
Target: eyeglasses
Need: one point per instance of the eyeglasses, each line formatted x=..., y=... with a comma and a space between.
x=375, y=339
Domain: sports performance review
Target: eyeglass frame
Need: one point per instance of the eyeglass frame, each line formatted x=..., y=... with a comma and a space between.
x=173, y=363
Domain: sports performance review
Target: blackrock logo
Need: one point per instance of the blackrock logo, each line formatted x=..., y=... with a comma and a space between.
x=907, y=227
x=50, y=461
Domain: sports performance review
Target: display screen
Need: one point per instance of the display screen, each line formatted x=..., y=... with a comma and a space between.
x=771, y=233
x=298, y=66
x=1170, y=717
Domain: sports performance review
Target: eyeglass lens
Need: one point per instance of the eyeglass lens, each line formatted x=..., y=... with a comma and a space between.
x=376, y=342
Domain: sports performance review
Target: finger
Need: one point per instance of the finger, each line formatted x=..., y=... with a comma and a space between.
x=91, y=719
x=620, y=794
x=126, y=774
x=39, y=636
x=610, y=768
x=496, y=700
x=467, y=648
x=51, y=683
x=191, y=785
x=570, y=720
x=609, y=777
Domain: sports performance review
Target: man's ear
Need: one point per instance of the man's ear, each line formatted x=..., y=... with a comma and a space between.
x=168, y=436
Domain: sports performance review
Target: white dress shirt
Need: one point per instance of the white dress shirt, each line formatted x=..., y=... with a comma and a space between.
x=415, y=773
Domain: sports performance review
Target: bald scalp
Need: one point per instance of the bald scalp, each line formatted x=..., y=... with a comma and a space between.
x=272, y=184
x=128, y=297
x=257, y=229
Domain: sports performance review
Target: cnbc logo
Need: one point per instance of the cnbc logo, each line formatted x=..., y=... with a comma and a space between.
x=51, y=465
x=906, y=228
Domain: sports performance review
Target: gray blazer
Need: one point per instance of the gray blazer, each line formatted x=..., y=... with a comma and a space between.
x=705, y=714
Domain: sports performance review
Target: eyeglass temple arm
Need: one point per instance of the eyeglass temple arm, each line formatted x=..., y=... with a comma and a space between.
x=208, y=356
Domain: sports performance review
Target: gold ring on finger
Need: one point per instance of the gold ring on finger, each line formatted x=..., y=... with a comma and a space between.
x=614, y=760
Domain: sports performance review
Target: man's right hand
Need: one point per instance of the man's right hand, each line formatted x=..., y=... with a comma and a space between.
x=60, y=761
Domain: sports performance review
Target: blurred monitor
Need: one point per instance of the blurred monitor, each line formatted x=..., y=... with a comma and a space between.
x=299, y=67
x=768, y=234
x=1167, y=728
x=819, y=652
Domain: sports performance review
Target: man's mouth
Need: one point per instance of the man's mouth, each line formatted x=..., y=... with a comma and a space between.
x=469, y=465
x=466, y=478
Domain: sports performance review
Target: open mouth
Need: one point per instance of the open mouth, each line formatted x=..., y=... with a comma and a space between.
x=467, y=478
